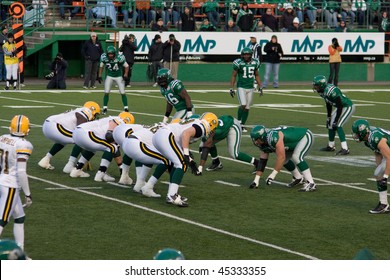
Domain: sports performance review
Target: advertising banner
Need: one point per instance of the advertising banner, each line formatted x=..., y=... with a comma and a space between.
x=297, y=47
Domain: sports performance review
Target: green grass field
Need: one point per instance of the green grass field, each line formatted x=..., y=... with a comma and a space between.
x=82, y=219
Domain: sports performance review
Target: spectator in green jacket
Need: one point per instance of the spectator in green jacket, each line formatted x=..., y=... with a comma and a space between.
x=211, y=10
x=207, y=26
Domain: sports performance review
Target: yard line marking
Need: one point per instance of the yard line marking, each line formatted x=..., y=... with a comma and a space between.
x=238, y=236
x=24, y=107
x=79, y=188
x=119, y=185
x=167, y=183
x=227, y=183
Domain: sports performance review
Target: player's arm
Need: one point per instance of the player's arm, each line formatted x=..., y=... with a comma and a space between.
x=23, y=179
x=258, y=81
x=109, y=134
x=259, y=170
x=126, y=67
x=233, y=79
x=186, y=97
x=99, y=77
x=385, y=151
x=205, y=149
x=168, y=111
x=280, y=153
x=80, y=118
x=196, y=132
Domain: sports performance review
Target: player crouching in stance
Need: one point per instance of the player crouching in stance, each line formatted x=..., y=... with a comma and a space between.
x=335, y=120
x=378, y=140
x=59, y=128
x=247, y=70
x=113, y=63
x=290, y=144
x=228, y=128
x=173, y=141
x=15, y=151
x=92, y=137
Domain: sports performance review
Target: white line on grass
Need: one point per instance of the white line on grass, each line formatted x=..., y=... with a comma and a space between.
x=226, y=183
x=170, y=216
x=79, y=188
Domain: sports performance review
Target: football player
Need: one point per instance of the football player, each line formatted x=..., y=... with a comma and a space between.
x=335, y=120
x=228, y=128
x=97, y=136
x=378, y=140
x=15, y=151
x=173, y=140
x=59, y=128
x=119, y=135
x=247, y=70
x=113, y=63
x=139, y=146
x=290, y=144
x=175, y=94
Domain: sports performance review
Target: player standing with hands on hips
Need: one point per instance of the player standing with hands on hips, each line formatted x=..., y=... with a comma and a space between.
x=247, y=70
x=113, y=62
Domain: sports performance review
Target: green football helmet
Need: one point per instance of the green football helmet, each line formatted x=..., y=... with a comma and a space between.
x=111, y=52
x=246, y=54
x=319, y=83
x=164, y=77
x=259, y=132
x=360, y=129
x=169, y=254
x=9, y=250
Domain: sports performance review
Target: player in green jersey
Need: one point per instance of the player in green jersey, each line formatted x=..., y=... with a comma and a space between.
x=335, y=120
x=228, y=128
x=113, y=63
x=246, y=72
x=175, y=94
x=290, y=144
x=378, y=140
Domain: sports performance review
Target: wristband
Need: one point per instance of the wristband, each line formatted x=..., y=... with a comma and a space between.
x=167, y=114
x=186, y=151
x=189, y=109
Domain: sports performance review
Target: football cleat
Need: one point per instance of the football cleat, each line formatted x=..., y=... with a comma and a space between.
x=381, y=209
x=295, y=182
x=215, y=165
x=253, y=186
x=308, y=187
x=78, y=173
x=45, y=163
x=328, y=149
x=176, y=200
x=69, y=167
x=104, y=111
x=103, y=177
x=138, y=185
x=149, y=192
x=6, y=88
x=125, y=179
x=243, y=129
x=342, y=152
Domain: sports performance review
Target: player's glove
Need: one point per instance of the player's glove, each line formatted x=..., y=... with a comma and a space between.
x=99, y=79
x=253, y=185
x=334, y=125
x=232, y=92
x=260, y=90
x=328, y=123
x=165, y=119
x=192, y=164
x=28, y=201
x=383, y=182
x=189, y=114
x=271, y=177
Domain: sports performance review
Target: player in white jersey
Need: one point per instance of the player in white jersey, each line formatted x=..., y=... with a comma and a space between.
x=120, y=133
x=15, y=151
x=97, y=136
x=173, y=141
x=139, y=146
x=59, y=128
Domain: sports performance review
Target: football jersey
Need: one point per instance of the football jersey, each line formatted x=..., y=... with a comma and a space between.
x=224, y=124
x=146, y=134
x=11, y=149
x=331, y=93
x=114, y=66
x=8, y=49
x=122, y=131
x=69, y=119
x=246, y=72
x=172, y=95
x=376, y=135
x=178, y=128
x=100, y=127
x=292, y=135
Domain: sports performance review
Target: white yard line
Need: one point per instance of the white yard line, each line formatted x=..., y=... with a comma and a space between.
x=227, y=183
x=177, y=218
